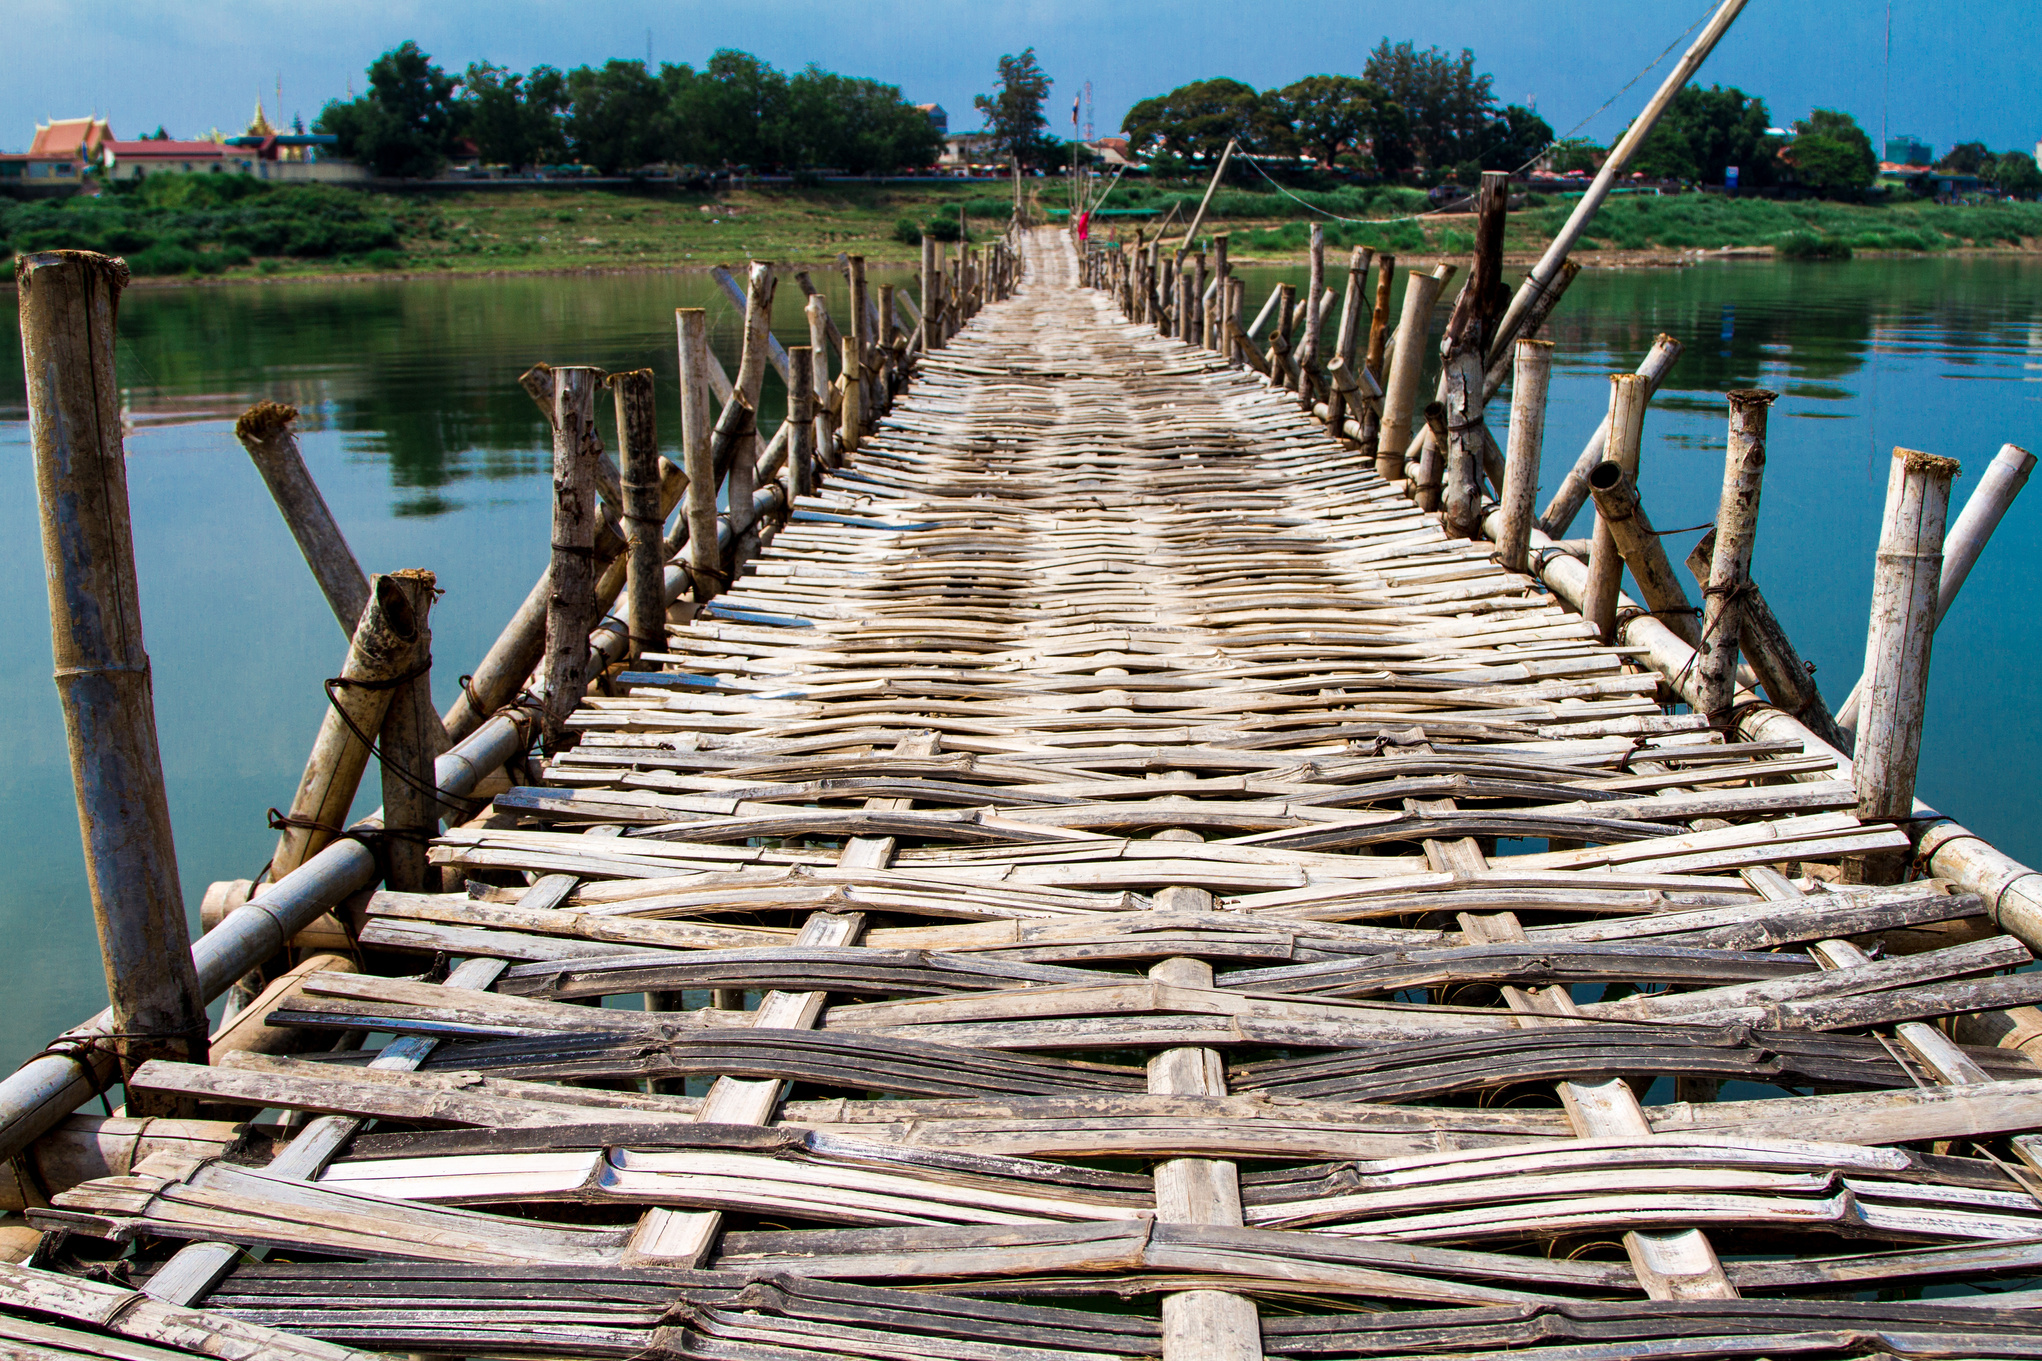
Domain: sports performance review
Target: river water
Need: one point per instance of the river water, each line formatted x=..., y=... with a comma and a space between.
x=431, y=456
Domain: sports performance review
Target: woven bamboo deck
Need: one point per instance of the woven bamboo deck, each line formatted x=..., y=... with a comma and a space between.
x=1113, y=879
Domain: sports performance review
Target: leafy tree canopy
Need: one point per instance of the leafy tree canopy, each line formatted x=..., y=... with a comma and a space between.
x=1449, y=104
x=1328, y=117
x=405, y=124
x=514, y=119
x=1014, y=115
x=1199, y=120
x=1831, y=154
x=1703, y=133
x=1966, y=158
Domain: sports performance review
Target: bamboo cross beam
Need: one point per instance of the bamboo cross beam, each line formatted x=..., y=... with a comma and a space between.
x=265, y=432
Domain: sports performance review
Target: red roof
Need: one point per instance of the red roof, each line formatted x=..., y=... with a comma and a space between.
x=70, y=137
x=164, y=151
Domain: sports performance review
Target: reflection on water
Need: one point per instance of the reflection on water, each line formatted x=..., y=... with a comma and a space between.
x=432, y=456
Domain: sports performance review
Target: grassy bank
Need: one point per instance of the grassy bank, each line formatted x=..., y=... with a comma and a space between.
x=194, y=226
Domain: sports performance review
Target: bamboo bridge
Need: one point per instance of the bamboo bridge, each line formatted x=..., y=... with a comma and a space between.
x=1111, y=875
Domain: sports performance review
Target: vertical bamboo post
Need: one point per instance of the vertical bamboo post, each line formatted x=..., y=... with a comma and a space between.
x=2003, y=480
x=645, y=558
x=1617, y=507
x=853, y=415
x=567, y=394
x=1730, y=565
x=1407, y=368
x=1572, y=492
x=407, y=742
x=1430, y=469
x=860, y=330
x=1223, y=272
x=68, y=301
x=884, y=342
x=1315, y=318
x=1465, y=350
x=1286, y=326
x=1627, y=399
x=800, y=423
x=931, y=340
x=1904, y=589
x=1201, y=315
x=382, y=653
x=819, y=346
x=699, y=505
x=749, y=383
x=1521, y=460
x=265, y=432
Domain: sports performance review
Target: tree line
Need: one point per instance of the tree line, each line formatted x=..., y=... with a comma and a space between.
x=737, y=111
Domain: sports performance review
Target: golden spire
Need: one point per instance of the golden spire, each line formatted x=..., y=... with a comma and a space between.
x=261, y=126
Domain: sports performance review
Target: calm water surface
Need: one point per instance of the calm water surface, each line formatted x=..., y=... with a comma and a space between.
x=431, y=456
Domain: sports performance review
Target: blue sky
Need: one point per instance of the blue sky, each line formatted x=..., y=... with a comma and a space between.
x=1969, y=71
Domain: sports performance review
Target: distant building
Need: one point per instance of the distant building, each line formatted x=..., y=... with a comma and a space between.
x=965, y=151
x=1112, y=150
x=1905, y=150
x=63, y=149
x=1926, y=179
x=938, y=119
x=133, y=160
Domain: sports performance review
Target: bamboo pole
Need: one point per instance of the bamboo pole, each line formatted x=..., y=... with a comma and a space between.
x=68, y=300
x=705, y=569
x=861, y=325
x=1407, y=368
x=1315, y=315
x=801, y=421
x=1572, y=493
x=1521, y=465
x=1534, y=325
x=1904, y=599
x=1730, y=565
x=407, y=745
x=644, y=525
x=1619, y=511
x=567, y=395
x=820, y=346
x=750, y=382
x=1626, y=424
x=852, y=418
x=265, y=432
x=1548, y=267
x=931, y=339
x=1198, y=217
x=2002, y=482
x=383, y=651
x=1430, y=468
x=1465, y=350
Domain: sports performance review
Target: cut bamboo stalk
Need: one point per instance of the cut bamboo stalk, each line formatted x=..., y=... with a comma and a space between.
x=852, y=417
x=801, y=421
x=645, y=558
x=931, y=338
x=1572, y=493
x=1521, y=466
x=68, y=300
x=1626, y=426
x=1407, y=369
x=407, y=747
x=705, y=569
x=567, y=395
x=750, y=381
x=265, y=432
x=384, y=650
x=1730, y=566
x=887, y=375
x=1770, y=658
x=2002, y=482
x=1315, y=315
x=1431, y=467
x=821, y=346
x=1617, y=507
x=1201, y=324
x=1904, y=590
x=1465, y=351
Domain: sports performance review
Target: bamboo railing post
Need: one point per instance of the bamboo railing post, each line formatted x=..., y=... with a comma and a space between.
x=887, y=373
x=1904, y=590
x=1626, y=422
x=1572, y=493
x=801, y=423
x=68, y=300
x=750, y=381
x=2003, y=480
x=1430, y=469
x=1223, y=274
x=265, y=432
x=819, y=346
x=860, y=330
x=1465, y=351
x=644, y=525
x=1308, y=346
x=931, y=338
x=853, y=417
x=1730, y=565
x=406, y=744
x=1407, y=369
x=567, y=394
x=383, y=651
x=1201, y=315
x=1521, y=460
x=705, y=569
x=1618, y=509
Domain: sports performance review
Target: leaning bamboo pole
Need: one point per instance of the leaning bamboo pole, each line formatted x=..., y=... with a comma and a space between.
x=2002, y=482
x=1618, y=511
x=1521, y=460
x=382, y=653
x=1626, y=425
x=68, y=300
x=1407, y=369
x=1572, y=493
x=265, y=432
x=1904, y=582
x=1730, y=567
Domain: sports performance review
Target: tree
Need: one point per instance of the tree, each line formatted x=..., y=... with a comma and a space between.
x=1966, y=158
x=1331, y=116
x=1514, y=139
x=1014, y=115
x=1575, y=155
x=1448, y=104
x=860, y=126
x=515, y=120
x=1199, y=119
x=405, y=123
x=2014, y=174
x=1703, y=133
x=1831, y=154
x=618, y=116
x=733, y=112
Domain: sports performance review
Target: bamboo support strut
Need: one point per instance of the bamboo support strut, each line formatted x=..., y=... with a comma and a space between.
x=68, y=300
x=705, y=568
x=1619, y=511
x=801, y=421
x=1730, y=567
x=265, y=432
